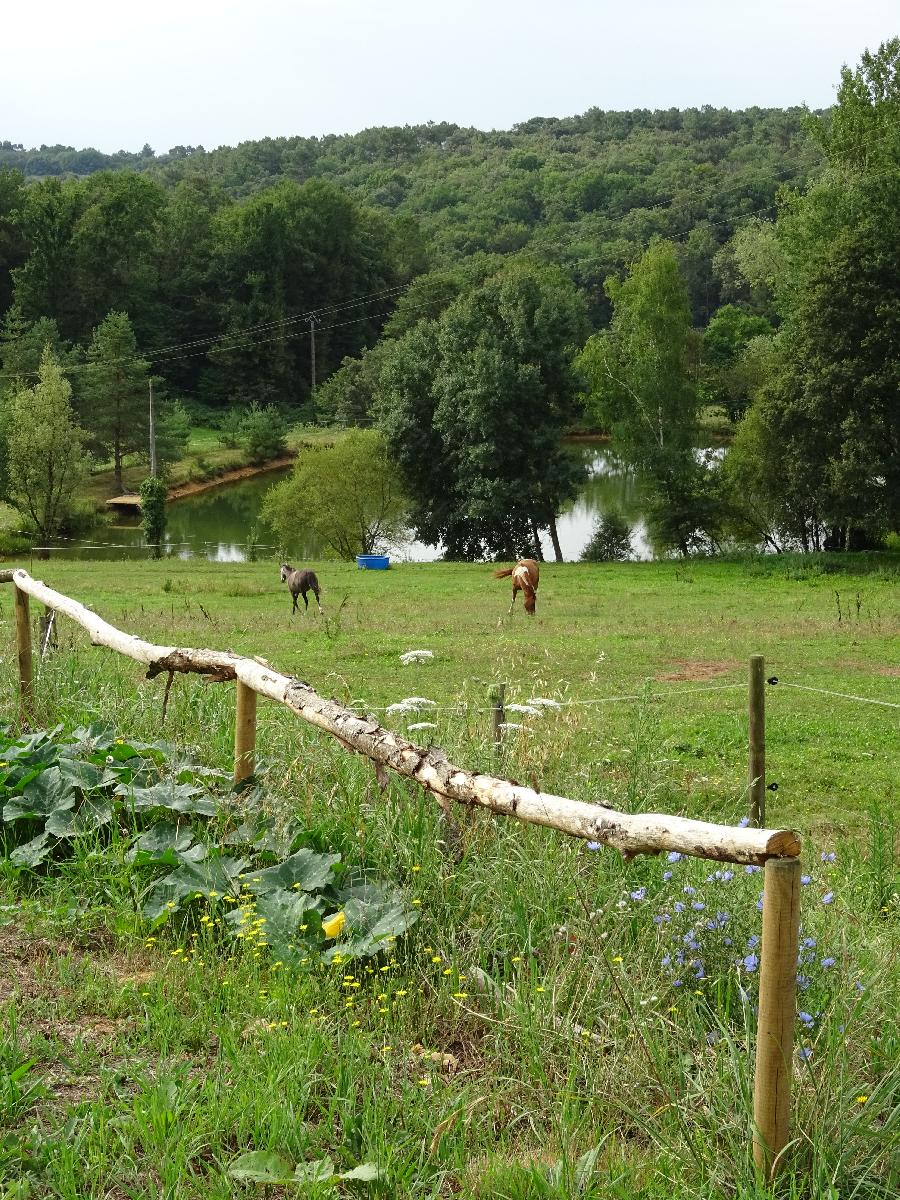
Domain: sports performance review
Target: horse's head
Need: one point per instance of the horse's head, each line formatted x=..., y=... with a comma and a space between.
x=286, y=569
x=530, y=600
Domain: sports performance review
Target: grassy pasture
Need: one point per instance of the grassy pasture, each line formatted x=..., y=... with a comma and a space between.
x=153, y=1064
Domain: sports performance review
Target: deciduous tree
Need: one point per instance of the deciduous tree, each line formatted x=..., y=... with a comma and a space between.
x=349, y=495
x=46, y=454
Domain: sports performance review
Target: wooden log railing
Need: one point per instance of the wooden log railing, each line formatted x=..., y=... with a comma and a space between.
x=629, y=833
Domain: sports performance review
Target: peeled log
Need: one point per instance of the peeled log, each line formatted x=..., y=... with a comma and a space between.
x=631, y=834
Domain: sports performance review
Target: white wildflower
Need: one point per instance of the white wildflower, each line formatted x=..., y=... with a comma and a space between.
x=524, y=708
x=540, y=702
x=419, y=702
x=416, y=656
x=422, y=725
x=509, y=725
x=401, y=707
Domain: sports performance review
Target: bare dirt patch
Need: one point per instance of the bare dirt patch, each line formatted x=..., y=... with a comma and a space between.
x=695, y=672
x=25, y=960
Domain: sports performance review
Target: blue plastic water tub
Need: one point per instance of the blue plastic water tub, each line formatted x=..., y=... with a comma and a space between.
x=373, y=562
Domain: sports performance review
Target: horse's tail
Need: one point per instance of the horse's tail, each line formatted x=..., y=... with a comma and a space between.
x=503, y=574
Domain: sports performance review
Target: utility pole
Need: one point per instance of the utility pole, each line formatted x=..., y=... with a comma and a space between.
x=152, y=434
x=312, y=355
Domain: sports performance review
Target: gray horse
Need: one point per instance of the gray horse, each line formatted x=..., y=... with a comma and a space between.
x=300, y=582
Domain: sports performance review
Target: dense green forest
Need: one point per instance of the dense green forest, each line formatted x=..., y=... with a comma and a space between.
x=475, y=295
x=208, y=245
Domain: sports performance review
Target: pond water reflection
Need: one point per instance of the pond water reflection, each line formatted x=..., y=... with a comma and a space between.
x=217, y=524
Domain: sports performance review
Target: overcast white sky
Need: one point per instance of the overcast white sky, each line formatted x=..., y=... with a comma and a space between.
x=213, y=72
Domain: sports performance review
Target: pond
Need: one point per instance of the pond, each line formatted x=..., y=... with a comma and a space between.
x=216, y=524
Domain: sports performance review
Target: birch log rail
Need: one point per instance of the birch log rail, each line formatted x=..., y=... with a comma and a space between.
x=631, y=834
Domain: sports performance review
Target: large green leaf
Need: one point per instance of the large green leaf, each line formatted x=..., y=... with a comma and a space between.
x=98, y=736
x=284, y=912
x=319, y=1171
x=87, y=777
x=306, y=868
x=90, y=816
x=261, y=833
x=365, y=1172
x=262, y=1166
x=41, y=796
x=32, y=853
x=161, y=844
x=177, y=797
x=214, y=874
x=374, y=914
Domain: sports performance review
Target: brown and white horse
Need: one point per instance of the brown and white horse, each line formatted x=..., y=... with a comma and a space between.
x=525, y=576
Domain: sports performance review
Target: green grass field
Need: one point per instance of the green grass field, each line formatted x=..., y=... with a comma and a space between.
x=145, y=1061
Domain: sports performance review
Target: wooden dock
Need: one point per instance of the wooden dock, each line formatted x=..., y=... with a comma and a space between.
x=131, y=503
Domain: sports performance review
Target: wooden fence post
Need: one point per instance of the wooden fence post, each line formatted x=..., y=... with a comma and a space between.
x=757, y=741
x=777, y=1013
x=244, y=733
x=23, y=648
x=498, y=714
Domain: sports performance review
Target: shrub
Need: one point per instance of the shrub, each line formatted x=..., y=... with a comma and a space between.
x=610, y=541
x=230, y=424
x=263, y=431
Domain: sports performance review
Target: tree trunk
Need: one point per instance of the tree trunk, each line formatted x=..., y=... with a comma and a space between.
x=536, y=535
x=554, y=537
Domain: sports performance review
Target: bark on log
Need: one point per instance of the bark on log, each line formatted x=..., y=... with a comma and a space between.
x=631, y=834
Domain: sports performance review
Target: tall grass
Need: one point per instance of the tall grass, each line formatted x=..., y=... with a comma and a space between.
x=559, y=1023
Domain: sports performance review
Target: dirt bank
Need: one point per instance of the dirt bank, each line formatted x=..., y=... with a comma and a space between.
x=237, y=473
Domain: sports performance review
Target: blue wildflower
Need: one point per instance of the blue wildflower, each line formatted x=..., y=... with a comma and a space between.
x=673, y=856
x=829, y=857
x=828, y=962
x=698, y=905
x=639, y=894
x=752, y=941
x=678, y=906
x=688, y=890
x=804, y=1053
x=743, y=822
x=667, y=875
x=752, y=870
x=810, y=943
x=805, y=879
x=828, y=897
x=592, y=845
x=807, y=1018
x=751, y=962
x=727, y=876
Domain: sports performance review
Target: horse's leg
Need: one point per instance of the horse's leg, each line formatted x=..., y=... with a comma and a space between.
x=294, y=609
x=512, y=602
x=318, y=601
x=305, y=601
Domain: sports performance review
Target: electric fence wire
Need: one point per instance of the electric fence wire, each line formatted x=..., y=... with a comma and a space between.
x=463, y=707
